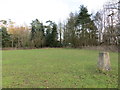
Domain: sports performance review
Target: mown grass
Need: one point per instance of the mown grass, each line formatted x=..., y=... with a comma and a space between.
x=56, y=68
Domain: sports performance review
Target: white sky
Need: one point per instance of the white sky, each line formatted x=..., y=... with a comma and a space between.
x=24, y=11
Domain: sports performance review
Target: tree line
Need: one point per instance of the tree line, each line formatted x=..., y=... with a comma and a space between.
x=38, y=35
x=81, y=29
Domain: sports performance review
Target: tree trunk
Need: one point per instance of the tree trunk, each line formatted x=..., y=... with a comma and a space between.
x=12, y=43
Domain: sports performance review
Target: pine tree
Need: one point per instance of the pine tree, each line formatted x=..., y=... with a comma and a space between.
x=37, y=33
x=86, y=27
x=6, y=40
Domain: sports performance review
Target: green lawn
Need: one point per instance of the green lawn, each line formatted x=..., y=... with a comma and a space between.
x=56, y=68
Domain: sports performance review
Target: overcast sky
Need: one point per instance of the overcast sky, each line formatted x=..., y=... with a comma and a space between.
x=24, y=11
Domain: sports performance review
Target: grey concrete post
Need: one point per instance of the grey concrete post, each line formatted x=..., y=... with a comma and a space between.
x=104, y=61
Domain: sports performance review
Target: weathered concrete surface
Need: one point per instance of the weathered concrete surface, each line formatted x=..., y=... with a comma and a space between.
x=104, y=61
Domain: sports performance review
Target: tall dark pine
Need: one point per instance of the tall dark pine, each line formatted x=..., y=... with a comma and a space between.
x=6, y=40
x=86, y=27
x=37, y=33
x=51, y=34
x=54, y=35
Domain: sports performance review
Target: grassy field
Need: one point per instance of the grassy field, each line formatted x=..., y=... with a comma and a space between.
x=56, y=68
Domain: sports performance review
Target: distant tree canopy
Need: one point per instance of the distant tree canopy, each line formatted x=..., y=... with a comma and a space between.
x=42, y=35
x=51, y=34
x=6, y=40
x=37, y=34
x=81, y=29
